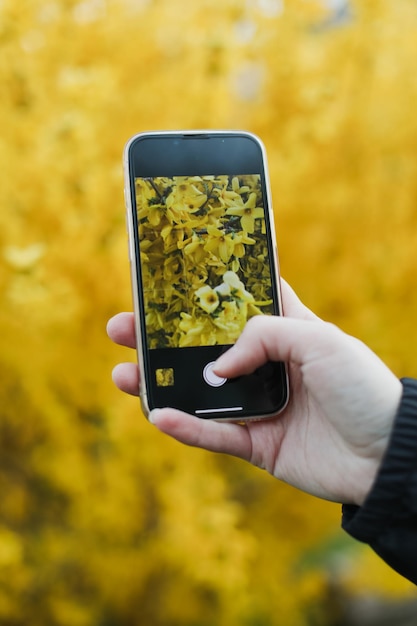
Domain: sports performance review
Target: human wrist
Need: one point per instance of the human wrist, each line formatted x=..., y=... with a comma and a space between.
x=372, y=451
x=387, y=495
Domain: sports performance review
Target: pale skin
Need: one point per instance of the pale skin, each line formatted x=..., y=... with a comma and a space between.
x=330, y=439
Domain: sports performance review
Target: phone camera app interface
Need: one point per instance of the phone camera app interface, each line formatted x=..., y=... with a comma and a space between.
x=205, y=269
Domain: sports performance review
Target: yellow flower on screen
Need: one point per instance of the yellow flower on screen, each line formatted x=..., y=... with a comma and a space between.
x=195, y=332
x=237, y=188
x=149, y=202
x=230, y=320
x=208, y=298
x=248, y=213
x=220, y=244
x=153, y=214
x=194, y=247
x=237, y=288
x=185, y=196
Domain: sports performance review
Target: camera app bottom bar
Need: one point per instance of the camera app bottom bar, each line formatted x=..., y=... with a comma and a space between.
x=176, y=380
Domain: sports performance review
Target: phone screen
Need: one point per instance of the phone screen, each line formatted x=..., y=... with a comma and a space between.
x=204, y=261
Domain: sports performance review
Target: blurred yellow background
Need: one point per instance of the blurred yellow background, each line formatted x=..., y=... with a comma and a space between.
x=103, y=521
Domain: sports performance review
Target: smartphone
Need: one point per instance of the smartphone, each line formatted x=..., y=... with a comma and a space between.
x=203, y=262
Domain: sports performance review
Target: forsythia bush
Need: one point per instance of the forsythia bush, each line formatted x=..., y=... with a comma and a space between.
x=102, y=520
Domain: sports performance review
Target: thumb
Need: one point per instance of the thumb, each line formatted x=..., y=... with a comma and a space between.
x=273, y=338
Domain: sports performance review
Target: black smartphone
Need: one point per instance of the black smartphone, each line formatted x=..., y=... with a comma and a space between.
x=203, y=262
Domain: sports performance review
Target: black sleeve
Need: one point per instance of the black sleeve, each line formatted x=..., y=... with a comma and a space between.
x=387, y=521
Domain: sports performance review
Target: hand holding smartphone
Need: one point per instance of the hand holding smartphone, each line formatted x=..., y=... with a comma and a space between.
x=203, y=262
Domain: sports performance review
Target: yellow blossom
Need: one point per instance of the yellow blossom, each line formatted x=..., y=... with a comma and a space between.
x=208, y=298
x=24, y=258
x=146, y=199
x=220, y=244
x=230, y=322
x=237, y=288
x=185, y=196
x=195, y=332
x=194, y=247
x=247, y=213
x=237, y=188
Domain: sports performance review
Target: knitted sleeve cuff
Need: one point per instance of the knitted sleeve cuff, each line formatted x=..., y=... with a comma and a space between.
x=394, y=493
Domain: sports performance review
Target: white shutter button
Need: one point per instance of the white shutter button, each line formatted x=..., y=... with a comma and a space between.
x=211, y=378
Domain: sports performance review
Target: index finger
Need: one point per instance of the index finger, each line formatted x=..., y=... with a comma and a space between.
x=121, y=329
